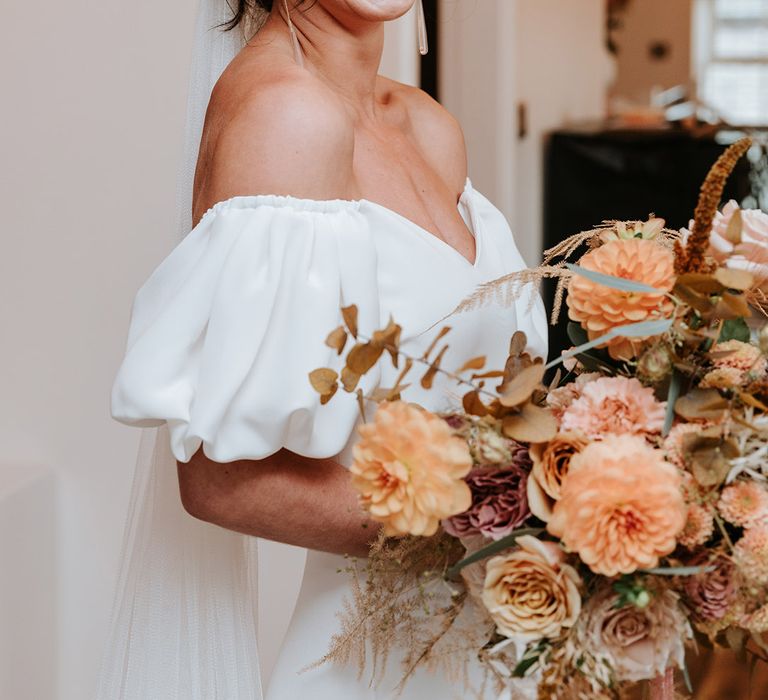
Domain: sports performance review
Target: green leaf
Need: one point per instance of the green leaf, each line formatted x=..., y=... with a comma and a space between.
x=641, y=329
x=491, y=549
x=734, y=329
x=678, y=570
x=619, y=283
x=576, y=334
x=675, y=384
x=524, y=665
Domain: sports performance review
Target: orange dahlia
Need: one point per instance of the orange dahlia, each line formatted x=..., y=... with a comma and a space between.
x=409, y=469
x=599, y=308
x=621, y=506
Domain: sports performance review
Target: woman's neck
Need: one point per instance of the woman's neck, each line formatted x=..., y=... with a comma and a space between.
x=344, y=51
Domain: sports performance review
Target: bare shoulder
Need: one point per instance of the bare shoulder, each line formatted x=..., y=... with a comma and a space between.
x=284, y=133
x=437, y=131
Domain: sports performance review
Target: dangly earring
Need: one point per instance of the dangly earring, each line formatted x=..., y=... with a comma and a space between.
x=421, y=25
x=298, y=55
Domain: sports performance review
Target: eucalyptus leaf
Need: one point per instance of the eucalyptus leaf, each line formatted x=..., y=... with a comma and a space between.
x=623, y=285
x=678, y=570
x=491, y=549
x=641, y=329
x=675, y=384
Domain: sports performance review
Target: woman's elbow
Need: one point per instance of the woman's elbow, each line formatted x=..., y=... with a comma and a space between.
x=196, y=496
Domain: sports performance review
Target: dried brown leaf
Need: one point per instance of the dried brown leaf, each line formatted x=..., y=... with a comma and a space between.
x=710, y=455
x=474, y=363
x=493, y=374
x=532, y=424
x=750, y=400
x=349, y=314
x=349, y=379
x=519, y=389
x=389, y=339
x=363, y=357
x=518, y=343
x=474, y=405
x=323, y=380
x=443, y=332
x=325, y=398
x=429, y=376
x=337, y=339
x=734, y=279
x=701, y=404
x=361, y=403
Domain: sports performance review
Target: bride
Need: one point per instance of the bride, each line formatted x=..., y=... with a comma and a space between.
x=318, y=184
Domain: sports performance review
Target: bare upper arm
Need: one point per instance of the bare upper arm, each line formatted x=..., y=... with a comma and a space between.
x=290, y=136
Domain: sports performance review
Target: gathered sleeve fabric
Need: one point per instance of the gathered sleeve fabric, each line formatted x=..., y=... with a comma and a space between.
x=225, y=332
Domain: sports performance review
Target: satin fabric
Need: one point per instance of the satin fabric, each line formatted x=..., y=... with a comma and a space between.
x=226, y=330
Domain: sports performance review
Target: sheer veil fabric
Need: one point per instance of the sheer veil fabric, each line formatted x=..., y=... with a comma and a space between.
x=184, y=619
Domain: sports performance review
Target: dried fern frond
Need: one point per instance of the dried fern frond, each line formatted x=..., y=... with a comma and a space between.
x=506, y=290
x=401, y=605
x=692, y=257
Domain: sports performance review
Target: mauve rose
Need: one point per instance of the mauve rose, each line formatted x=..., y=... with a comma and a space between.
x=710, y=593
x=499, y=500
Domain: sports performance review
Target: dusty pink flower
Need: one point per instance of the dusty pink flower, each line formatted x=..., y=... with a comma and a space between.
x=562, y=397
x=638, y=643
x=734, y=363
x=711, y=592
x=614, y=405
x=751, y=554
x=744, y=503
x=499, y=501
x=699, y=526
x=757, y=622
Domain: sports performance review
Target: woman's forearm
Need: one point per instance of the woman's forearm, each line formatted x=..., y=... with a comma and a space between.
x=300, y=501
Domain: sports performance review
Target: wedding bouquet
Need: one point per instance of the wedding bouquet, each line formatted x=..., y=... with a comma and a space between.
x=575, y=533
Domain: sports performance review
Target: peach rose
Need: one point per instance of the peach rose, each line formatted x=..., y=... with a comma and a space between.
x=531, y=592
x=550, y=466
x=621, y=506
x=599, y=308
x=409, y=469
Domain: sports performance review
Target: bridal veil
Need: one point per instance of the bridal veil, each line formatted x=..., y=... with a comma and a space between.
x=183, y=625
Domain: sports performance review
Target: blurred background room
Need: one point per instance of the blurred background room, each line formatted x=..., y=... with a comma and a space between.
x=574, y=111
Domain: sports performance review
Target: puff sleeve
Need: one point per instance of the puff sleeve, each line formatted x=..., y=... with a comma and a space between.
x=225, y=332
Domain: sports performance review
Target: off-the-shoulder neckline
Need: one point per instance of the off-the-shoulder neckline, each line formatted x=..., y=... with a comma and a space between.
x=248, y=201
x=254, y=201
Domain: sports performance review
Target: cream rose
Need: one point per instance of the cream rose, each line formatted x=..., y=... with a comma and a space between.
x=531, y=592
x=751, y=253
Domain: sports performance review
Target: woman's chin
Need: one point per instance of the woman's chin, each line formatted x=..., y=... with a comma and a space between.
x=373, y=10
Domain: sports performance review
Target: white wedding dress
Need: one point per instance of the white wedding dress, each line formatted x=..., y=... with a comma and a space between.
x=226, y=330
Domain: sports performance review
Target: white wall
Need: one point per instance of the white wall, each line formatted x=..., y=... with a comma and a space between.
x=93, y=100
x=93, y=107
x=646, y=22
x=498, y=54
